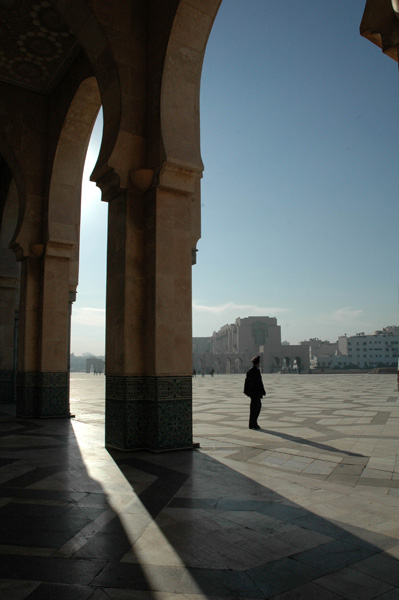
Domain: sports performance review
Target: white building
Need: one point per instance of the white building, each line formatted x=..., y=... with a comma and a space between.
x=380, y=349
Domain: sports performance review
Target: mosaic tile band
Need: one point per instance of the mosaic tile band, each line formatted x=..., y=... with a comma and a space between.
x=42, y=394
x=153, y=413
x=7, y=387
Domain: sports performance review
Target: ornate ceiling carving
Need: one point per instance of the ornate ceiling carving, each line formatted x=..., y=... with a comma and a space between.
x=36, y=46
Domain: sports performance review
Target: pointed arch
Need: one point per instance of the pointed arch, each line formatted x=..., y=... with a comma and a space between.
x=66, y=179
x=82, y=21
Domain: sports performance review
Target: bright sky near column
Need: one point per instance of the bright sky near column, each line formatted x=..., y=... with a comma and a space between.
x=300, y=211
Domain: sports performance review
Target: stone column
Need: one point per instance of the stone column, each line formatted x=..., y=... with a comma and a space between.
x=42, y=379
x=148, y=339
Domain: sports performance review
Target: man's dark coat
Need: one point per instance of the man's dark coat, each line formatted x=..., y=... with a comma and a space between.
x=253, y=386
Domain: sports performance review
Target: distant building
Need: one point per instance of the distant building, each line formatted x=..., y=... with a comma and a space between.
x=233, y=346
x=201, y=345
x=319, y=348
x=379, y=349
x=86, y=363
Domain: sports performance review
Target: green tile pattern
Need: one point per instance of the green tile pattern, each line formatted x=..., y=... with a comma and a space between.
x=153, y=413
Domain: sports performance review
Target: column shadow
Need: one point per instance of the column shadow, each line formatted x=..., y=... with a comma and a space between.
x=240, y=539
x=186, y=524
x=58, y=530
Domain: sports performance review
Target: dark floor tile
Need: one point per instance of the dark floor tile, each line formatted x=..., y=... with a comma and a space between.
x=53, y=591
x=333, y=555
x=94, y=499
x=282, y=575
x=105, y=546
x=34, y=476
x=309, y=591
x=243, y=505
x=204, y=503
x=391, y=595
x=122, y=576
x=7, y=461
x=7, y=491
x=380, y=566
x=42, y=525
x=51, y=570
x=283, y=512
x=36, y=539
x=319, y=524
x=223, y=583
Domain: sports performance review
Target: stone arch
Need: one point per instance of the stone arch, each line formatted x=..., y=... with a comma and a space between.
x=180, y=115
x=66, y=179
x=97, y=364
x=81, y=20
x=182, y=71
x=199, y=365
x=217, y=365
x=238, y=365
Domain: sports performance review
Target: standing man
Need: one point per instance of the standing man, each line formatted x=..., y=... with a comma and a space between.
x=253, y=388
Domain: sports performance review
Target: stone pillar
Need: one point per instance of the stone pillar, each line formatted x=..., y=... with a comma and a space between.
x=148, y=339
x=42, y=378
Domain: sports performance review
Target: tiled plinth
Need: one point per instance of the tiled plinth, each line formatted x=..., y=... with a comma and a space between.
x=42, y=395
x=7, y=387
x=153, y=413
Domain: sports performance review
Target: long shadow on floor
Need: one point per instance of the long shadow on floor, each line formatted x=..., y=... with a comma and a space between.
x=193, y=526
x=57, y=528
x=305, y=442
x=237, y=538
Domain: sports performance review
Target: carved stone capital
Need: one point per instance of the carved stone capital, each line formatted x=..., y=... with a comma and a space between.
x=180, y=178
x=59, y=249
x=110, y=186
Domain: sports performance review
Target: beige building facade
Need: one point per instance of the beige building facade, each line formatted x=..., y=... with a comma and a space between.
x=140, y=60
x=232, y=347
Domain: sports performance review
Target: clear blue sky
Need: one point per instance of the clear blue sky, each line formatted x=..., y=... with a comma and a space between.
x=300, y=211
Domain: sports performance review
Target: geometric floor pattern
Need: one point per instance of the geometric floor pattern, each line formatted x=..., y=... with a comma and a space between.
x=305, y=508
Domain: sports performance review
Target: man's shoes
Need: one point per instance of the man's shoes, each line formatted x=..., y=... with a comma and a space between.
x=256, y=427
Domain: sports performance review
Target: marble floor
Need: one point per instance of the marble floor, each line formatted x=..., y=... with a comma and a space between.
x=305, y=508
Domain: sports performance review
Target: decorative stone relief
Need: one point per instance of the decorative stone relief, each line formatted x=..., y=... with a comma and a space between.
x=35, y=44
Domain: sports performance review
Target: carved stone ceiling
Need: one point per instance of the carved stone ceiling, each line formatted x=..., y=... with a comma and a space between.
x=36, y=46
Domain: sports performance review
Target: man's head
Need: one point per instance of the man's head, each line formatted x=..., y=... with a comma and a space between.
x=256, y=361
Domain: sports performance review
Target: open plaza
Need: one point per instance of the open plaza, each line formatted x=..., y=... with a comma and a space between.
x=307, y=507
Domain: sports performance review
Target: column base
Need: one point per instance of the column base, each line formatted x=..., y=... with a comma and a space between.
x=43, y=395
x=7, y=387
x=148, y=413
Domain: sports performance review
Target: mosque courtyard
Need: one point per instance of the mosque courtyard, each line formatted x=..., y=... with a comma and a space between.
x=305, y=508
